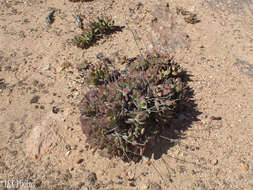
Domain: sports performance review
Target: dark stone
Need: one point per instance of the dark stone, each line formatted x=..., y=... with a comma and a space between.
x=80, y=161
x=50, y=17
x=215, y=118
x=55, y=109
x=100, y=56
x=34, y=100
x=139, y=5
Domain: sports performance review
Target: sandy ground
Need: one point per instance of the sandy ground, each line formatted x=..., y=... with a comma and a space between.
x=41, y=143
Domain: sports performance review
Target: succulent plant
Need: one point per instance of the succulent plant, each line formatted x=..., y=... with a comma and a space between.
x=100, y=73
x=96, y=30
x=125, y=114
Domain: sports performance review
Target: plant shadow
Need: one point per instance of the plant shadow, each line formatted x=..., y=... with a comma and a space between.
x=171, y=134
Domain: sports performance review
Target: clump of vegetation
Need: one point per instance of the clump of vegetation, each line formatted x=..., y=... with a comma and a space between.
x=125, y=114
x=95, y=31
x=100, y=73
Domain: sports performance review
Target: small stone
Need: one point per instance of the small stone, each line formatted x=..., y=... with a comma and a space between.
x=11, y=128
x=132, y=184
x=26, y=20
x=50, y=17
x=34, y=100
x=80, y=161
x=215, y=118
x=68, y=153
x=139, y=5
x=42, y=107
x=78, y=21
x=68, y=147
x=100, y=56
x=214, y=162
x=47, y=67
x=55, y=110
x=81, y=151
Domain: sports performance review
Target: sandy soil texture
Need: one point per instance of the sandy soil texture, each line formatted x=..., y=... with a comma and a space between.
x=41, y=142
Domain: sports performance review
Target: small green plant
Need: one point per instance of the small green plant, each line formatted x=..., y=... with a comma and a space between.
x=84, y=40
x=100, y=73
x=125, y=114
x=95, y=31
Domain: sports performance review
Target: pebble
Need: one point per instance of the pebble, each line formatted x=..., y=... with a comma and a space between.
x=50, y=17
x=139, y=5
x=100, y=56
x=34, y=99
x=80, y=161
x=214, y=162
x=68, y=147
x=47, y=67
x=78, y=21
x=68, y=153
x=215, y=118
x=55, y=109
x=11, y=128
